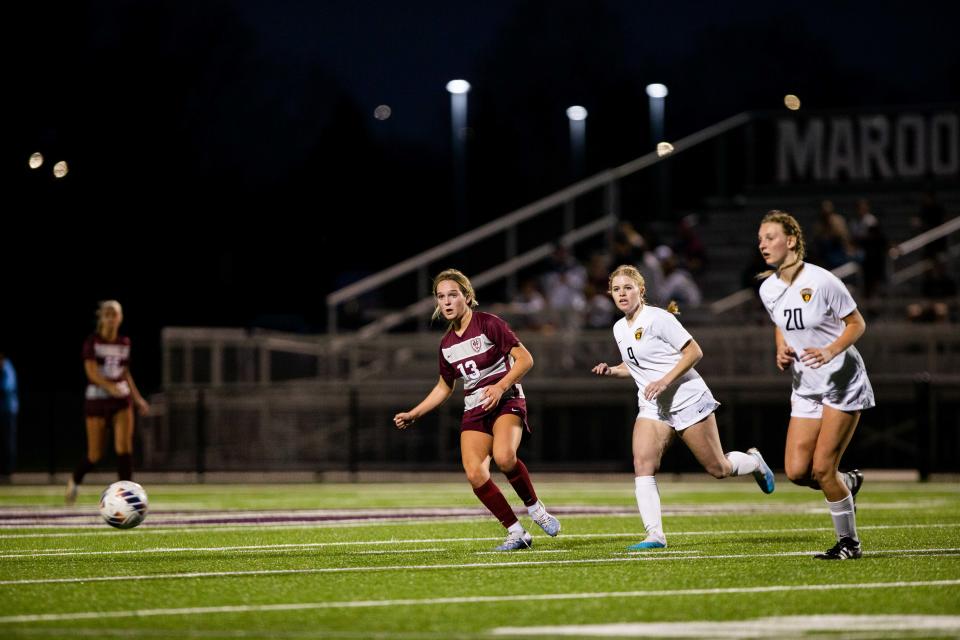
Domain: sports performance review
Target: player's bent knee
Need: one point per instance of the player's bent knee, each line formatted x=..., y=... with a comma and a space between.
x=505, y=462
x=477, y=476
x=799, y=476
x=824, y=474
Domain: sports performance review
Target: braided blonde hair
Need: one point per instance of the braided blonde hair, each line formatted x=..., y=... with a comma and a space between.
x=790, y=228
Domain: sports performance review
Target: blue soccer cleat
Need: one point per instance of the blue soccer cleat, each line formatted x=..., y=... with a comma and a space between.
x=651, y=542
x=762, y=475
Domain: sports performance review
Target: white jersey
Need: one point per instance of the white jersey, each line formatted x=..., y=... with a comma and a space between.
x=809, y=313
x=650, y=347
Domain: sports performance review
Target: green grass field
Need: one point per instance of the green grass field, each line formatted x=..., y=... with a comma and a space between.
x=300, y=561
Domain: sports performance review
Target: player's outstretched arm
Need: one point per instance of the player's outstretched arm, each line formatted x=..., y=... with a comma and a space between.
x=434, y=399
x=619, y=371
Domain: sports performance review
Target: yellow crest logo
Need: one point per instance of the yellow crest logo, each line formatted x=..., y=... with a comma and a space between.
x=806, y=294
x=638, y=333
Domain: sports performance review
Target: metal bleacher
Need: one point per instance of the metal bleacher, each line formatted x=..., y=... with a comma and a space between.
x=240, y=400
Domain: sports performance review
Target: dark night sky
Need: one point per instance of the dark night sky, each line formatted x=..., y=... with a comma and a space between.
x=215, y=128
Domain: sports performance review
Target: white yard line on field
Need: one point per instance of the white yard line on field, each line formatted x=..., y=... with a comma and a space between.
x=433, y=567
x=471, y=600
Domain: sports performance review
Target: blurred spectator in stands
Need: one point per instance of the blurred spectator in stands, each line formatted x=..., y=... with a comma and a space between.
x=678, y=284
x=628, y=244
x=689, y=250
x=870, y=247
x=528, y=307
x=631, y=248
x=598, y=270
x=601, y=312
x=9, y=408
x=563, y=285
x=831, y=239
x=940, y=291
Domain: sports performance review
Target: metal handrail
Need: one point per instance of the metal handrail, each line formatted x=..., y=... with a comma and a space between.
x=906, y=247
x=607, y=178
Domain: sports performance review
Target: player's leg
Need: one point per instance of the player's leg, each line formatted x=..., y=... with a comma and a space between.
x=802, y=434
x=836, y=431
x=96, y=431
x=123, y=442
x=507, y=433
x=476, y=448
x=703, y=440
x=650, y=440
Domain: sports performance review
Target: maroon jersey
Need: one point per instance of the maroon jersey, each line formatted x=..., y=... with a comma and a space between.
x=112, y=359
x=481, y=357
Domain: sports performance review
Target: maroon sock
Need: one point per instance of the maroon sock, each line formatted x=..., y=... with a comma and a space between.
x=492, y=499
x=81, y=470
x=125, y=466
x=520, y=480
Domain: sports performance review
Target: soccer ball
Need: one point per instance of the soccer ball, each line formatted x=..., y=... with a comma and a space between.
x=123, y=504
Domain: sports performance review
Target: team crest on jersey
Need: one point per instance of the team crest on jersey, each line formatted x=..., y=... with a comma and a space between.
x=806, y=294
x=476, y=344
x=638, y=333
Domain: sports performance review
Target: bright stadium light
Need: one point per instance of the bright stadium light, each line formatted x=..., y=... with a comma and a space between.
x=458, y=86
x=791, y=101
x=60, y=169
x=657, y=90
x=36, y=160
x=576, y=112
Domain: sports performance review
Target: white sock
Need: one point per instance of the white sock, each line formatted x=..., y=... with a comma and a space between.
x=536, y=508
x=648, y=500
x=844, y=519
x=516, y=527
x=743, y=463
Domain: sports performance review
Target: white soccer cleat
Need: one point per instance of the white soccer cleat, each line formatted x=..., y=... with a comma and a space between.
x=70, y=498
x=549, y=524
x=516, y=541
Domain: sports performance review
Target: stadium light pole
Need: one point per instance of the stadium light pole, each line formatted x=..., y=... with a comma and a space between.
x=657, y=94
x=458, y=118
x=577, y=116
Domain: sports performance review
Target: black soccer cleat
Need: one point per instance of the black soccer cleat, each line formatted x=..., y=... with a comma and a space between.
x=854, y=480
x=845, y=549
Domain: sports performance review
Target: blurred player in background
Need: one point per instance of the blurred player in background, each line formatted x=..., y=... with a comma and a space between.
x=110, y=393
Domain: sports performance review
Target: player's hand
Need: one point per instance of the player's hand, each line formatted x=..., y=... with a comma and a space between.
x=655, y=388
x=816, y=358
x=490, y=397
x=114, y=390
x=143, y=407
x=602, y=369
x=404, y=419
x=785, y=357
